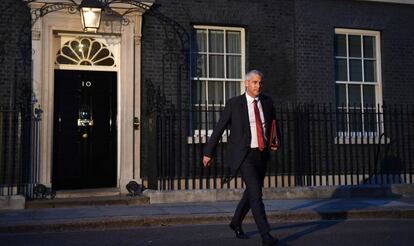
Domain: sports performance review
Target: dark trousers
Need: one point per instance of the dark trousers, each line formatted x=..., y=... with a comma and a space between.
x=253, y=171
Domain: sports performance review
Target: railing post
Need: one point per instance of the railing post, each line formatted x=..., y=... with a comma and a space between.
x=153, y=158
x=34, y=162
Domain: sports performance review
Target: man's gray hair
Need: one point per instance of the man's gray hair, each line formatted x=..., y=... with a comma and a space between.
x=253, y=72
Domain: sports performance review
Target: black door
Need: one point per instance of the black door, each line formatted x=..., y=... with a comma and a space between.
x=84, y=147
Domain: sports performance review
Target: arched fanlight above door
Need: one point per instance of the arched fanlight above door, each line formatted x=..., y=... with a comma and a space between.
x=85, y=51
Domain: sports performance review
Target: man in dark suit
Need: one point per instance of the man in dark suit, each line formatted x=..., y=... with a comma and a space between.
x=250, y=118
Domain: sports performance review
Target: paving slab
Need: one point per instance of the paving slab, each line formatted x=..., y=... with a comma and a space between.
x=115, y=216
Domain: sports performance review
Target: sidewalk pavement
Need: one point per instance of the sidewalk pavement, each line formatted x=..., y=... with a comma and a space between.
x=139, y=215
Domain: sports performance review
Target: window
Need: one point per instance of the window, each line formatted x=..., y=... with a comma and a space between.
x=85, y=51
x=217, y=72
x=358, y=82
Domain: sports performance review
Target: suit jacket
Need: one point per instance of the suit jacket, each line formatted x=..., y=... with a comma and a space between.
x=236, y=115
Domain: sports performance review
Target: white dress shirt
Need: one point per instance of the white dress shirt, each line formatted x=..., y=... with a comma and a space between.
x=252, y=119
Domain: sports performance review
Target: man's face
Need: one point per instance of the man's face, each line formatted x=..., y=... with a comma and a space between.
x=253, y=85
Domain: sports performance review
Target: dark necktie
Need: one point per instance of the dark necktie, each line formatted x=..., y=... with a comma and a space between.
x=259, y=128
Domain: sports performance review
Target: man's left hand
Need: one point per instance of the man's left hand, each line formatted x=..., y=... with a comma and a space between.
x=206, y=161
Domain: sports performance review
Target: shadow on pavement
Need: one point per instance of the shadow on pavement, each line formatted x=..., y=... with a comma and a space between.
x=309, y=227
x=332, y=212
x=335, y=210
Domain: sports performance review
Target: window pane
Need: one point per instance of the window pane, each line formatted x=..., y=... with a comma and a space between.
x=106, y=62
x=77, y=48
x=234, y=67
x=86, y=43
x=63, y=60
x=341, y=70
x=201, y=66
x=232, y=89
x=341, y=120
x=233, y=42
x=369, y=96
x=199, y=91
x=216, y=41
x=369, y=47
x=355, y=66
x=340, y=45
x=340, y=95
x=96, y=46
x=68, y=52
x=355, y=120
x=101, y=54
x=215, y=92
x=370, y=122
x=200, y=119
x=201, y=41
x=354, y=96
x=354, y=46
x=205, y=120
x=213, y=117
x=216, y=69
x=370, y=71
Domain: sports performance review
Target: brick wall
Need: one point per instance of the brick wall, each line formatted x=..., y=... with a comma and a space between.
x=314, y=37
x=15, y=53
x=269, y=37
x=15, y=91
x=290, y=41
x=269, y=47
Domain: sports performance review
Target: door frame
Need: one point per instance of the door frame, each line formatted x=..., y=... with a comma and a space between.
x=128, y=89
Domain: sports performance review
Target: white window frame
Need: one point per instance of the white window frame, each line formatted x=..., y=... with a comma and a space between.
x=200, y=135
x=349, y=136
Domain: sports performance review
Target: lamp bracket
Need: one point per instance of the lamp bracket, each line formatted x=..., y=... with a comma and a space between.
x=128, y=6
x=47, y=8
x=72, y=6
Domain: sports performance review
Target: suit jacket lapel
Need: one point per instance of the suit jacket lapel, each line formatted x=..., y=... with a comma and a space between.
x=245, y=112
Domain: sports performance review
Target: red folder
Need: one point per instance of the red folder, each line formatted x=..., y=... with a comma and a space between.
x=274, y=138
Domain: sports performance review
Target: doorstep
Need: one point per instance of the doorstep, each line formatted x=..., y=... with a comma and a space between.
x=87, y=197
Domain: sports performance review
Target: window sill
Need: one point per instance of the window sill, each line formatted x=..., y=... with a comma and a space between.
x=361, y=140
x=201, y=139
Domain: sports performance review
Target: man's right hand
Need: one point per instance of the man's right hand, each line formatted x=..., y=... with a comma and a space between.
x=206, y=161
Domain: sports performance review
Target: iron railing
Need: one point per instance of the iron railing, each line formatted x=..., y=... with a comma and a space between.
x=321, y=145
x=19, y=151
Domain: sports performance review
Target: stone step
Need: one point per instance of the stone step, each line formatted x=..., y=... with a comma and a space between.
x=88, y=193
x=87, y=201
x=87, y=197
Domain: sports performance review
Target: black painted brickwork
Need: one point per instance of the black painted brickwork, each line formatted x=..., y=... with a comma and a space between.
x=15, y=53
x=269, y=46
x=269, y=37
x=291, y=41
x=314, y=36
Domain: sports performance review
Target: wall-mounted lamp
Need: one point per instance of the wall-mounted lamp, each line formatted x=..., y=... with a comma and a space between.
x=91, y=13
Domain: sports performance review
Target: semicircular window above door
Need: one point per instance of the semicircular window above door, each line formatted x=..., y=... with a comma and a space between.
x=85, y=51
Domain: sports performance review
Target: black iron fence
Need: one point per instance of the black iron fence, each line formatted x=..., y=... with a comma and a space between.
x=321, y=145
x=19, y=153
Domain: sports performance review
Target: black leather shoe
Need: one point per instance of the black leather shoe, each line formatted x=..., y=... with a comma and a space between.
x=239, y=231
x=268, y=240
